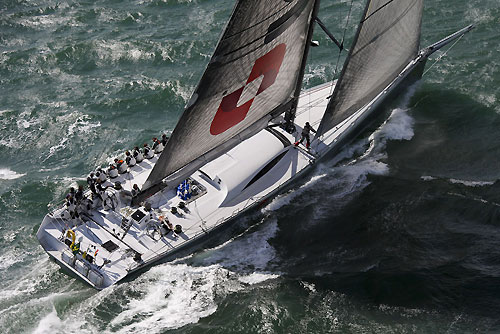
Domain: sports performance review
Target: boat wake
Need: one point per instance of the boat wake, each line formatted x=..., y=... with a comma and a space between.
x=175, y=294
x=172, y=295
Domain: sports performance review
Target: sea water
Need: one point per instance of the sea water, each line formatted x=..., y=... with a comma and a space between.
x=400, y=233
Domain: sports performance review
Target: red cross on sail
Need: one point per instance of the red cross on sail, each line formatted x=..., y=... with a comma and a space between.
x=231, y=112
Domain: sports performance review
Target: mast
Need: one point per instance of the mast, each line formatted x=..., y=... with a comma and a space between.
x=290, y=113
x=251, y=76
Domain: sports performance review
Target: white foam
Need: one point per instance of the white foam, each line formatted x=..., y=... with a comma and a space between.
x=49, y=324
x=7, y=174
x=286, y=198
x=255, y=278
x=45, y=21
x=472, y=183
x=468, y=183
x=39, y=273
x=308, y=286
x=175, y=294
x=317, y=71
x=171, y=297
x=12, y=256
x=116, y=50
x=80, y=126
x=479, y=15
x=347, y=173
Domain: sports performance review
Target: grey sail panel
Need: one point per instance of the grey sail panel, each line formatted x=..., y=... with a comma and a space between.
x=388, y=38
x=253, y=71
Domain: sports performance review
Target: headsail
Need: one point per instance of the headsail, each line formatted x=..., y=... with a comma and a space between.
x=388, y=37
x=252, y=74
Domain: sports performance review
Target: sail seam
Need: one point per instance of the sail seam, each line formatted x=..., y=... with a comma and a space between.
x=396, y=21
x=376, y=11
x=286, y=23
x=256, y=24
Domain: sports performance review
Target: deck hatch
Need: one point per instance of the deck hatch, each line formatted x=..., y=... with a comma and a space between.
x=110, y=246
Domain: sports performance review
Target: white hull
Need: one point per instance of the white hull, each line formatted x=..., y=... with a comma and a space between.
x=232, y=183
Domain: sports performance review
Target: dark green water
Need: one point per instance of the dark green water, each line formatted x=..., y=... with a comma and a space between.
x=401, y=234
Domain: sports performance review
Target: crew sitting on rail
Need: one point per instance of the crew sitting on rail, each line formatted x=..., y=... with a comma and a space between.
x=137, y=154
x=79, y=194
x=112, y=171
x=164, y=139
x=101, y=175
x=157, y=145
x=91, y=180
x=71, y=194
x=148, y=152
x=71, y=207
x=129, y=159
x=121, y=166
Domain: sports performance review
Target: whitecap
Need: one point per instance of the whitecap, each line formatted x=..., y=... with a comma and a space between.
x=472, y=183
x=468, y=183
x=7, y=174
x=256, y=278
x=49, y=324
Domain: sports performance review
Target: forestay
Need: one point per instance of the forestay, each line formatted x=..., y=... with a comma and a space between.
x=252, y=73
x=388, y=37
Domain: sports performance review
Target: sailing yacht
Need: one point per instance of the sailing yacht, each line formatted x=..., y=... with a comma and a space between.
x=235, y=145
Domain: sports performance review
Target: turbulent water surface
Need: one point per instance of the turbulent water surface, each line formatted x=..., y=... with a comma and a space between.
x=399, y=234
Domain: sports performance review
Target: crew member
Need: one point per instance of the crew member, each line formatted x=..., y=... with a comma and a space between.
x=112, y=171
x=121, y=166
x=148, y=152
x=129, y=159
x=79, y=194
x=305, y=135
x=138, y=154
x=157, y=145
x=135, y=190
x=91, y=182
x=164, y=139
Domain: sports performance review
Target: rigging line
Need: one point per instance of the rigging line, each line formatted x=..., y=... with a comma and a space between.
x=377, y=10
x=341, y=43
x=443, y=55
x=202, y=221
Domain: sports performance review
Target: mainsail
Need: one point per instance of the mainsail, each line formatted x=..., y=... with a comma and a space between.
x=388, y=37
x=252, y=74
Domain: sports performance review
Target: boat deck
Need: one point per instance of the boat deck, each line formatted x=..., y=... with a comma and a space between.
x=118, y=238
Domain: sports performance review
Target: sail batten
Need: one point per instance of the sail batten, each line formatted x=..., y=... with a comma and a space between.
x=260, y=52
x=387, y=38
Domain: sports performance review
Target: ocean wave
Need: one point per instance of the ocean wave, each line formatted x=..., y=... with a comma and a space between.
x=49, y=324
